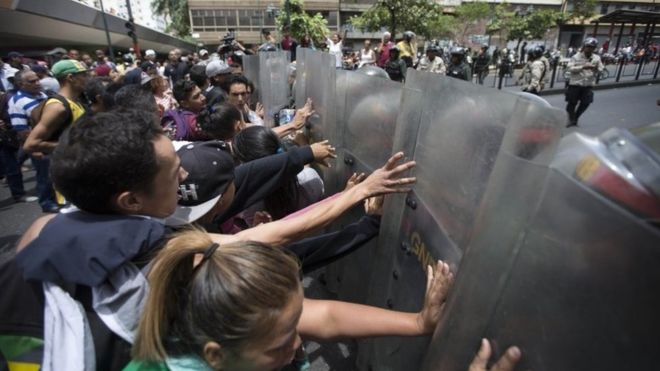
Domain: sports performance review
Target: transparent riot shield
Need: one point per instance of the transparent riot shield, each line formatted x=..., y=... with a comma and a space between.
x=574, y=284
x=367, y=108
x=299, y=92
x=454, y=131
x=251, y=72
x=273, y=83
x=320, y=87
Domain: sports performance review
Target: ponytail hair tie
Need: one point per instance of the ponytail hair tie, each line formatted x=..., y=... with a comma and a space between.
x=209, y=253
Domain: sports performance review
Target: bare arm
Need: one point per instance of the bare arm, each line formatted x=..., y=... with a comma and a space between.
x=326, y=320
x=38, y=140
x=382, y=181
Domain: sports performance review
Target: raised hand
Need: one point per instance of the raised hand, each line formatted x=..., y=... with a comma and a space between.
x=438, y=283
x=322, y=152
x=506, y=363
x=387, y=178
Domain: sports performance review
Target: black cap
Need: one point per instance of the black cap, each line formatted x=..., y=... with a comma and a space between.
x=210, y=170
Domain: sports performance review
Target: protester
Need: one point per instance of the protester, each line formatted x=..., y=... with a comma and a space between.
x=335, y=46
x=181, y=123
x=58, y=114
x=431, y=62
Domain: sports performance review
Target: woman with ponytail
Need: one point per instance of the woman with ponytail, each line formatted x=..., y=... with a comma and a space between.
x=240, y=306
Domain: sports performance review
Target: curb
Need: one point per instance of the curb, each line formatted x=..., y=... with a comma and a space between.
x=612, y=85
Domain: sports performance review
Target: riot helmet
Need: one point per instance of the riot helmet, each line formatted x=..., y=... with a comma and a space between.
x=457, y=50
x=373, y=71
x=395, y=50
x=590, y=42
x=408, y=35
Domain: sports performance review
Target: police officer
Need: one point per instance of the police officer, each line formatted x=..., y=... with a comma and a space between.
x=546, y=65
x=534, y=71
x=395, y=67
x=583, y=67
x=457, y=67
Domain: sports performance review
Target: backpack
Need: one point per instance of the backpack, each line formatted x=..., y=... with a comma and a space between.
x=37, y=112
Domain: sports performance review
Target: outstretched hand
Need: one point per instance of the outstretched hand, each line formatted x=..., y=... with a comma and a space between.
x=386, y=179
x=323, y=151
x=301, y=116
x=506, y=363
x=438, y=283
x=354, y=180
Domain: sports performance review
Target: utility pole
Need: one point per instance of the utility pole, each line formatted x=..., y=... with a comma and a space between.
x=130, y=25
x=107, y=33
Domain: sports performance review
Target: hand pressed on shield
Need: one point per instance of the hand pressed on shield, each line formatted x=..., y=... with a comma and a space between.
x=387, y=179
x=259, y=110
x=506, y=363
x=301, y=116
x=374, y=205
x=354, y=180
x=322, y=152
x=261, y=217
x=438, y=283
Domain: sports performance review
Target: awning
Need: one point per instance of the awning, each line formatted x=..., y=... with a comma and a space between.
x=39, y=24
x=629, y=16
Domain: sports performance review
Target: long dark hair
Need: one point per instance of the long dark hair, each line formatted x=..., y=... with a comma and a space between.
x=256, y=142
x=219, y=120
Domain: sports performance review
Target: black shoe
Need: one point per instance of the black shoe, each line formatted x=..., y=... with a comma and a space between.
x=51, y=209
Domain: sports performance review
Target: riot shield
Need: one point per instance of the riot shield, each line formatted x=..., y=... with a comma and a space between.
x=454, y=131
x=299, y=92
x=251, y=72
x=367, y=108
x=273, y=83
x=574, y=284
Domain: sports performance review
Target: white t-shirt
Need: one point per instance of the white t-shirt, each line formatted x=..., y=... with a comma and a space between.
x=335, y=49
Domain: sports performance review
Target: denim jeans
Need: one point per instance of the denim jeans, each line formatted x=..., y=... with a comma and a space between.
x=12, y=171
x=44, y=184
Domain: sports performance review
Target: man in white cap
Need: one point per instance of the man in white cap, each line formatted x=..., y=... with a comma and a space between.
x=150, y=55
x=217, y=71
x=204, y=59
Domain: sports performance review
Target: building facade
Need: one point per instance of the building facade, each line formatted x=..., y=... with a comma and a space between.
x=141, y=9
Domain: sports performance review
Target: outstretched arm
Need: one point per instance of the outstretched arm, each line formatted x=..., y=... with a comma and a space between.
x=327, y=320
x=382, y=181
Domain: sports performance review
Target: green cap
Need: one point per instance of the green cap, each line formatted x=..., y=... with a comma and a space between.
x=67, y=66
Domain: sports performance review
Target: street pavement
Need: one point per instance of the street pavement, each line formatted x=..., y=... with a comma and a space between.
x=624, y=107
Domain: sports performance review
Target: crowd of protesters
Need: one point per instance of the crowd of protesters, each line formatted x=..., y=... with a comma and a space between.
x=178, y=223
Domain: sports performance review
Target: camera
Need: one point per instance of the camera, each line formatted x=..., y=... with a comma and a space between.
x=229, y=38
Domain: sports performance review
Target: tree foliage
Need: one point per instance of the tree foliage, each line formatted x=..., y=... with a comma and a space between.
x=583, y=9
x=420, y=16
x=532, y=25
x=300, y=23
x=469, y=13
x=178, y=13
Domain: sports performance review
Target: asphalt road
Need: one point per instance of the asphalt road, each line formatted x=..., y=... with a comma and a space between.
x=625, y=107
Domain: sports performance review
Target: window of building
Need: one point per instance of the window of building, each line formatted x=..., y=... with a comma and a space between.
x=618, y=6
x=631, y=6
x=603, y=8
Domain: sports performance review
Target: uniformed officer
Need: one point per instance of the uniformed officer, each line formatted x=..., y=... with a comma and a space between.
x=534, y=71
x=583, y=67
x=457, y=67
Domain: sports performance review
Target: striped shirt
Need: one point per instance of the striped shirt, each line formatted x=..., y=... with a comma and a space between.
x=20, y=106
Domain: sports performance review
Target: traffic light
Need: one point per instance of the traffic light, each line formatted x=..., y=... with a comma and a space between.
x=130, y=26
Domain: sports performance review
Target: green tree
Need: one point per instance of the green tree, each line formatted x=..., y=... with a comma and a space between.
x=300, y=23
x=442, y=27
x=469, y=13
x=177, y=10
x=583, y=9
x=419, y=16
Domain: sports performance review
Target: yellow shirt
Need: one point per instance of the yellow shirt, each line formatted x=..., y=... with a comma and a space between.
x=77, y=110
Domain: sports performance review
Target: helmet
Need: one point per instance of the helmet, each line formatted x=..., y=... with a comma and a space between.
x=535, y=51
x=408, y=35
x=590, y=41
x=432, y=48
x=457, y=50
x=127, y=58
x=373, y=71
x=395, y=49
